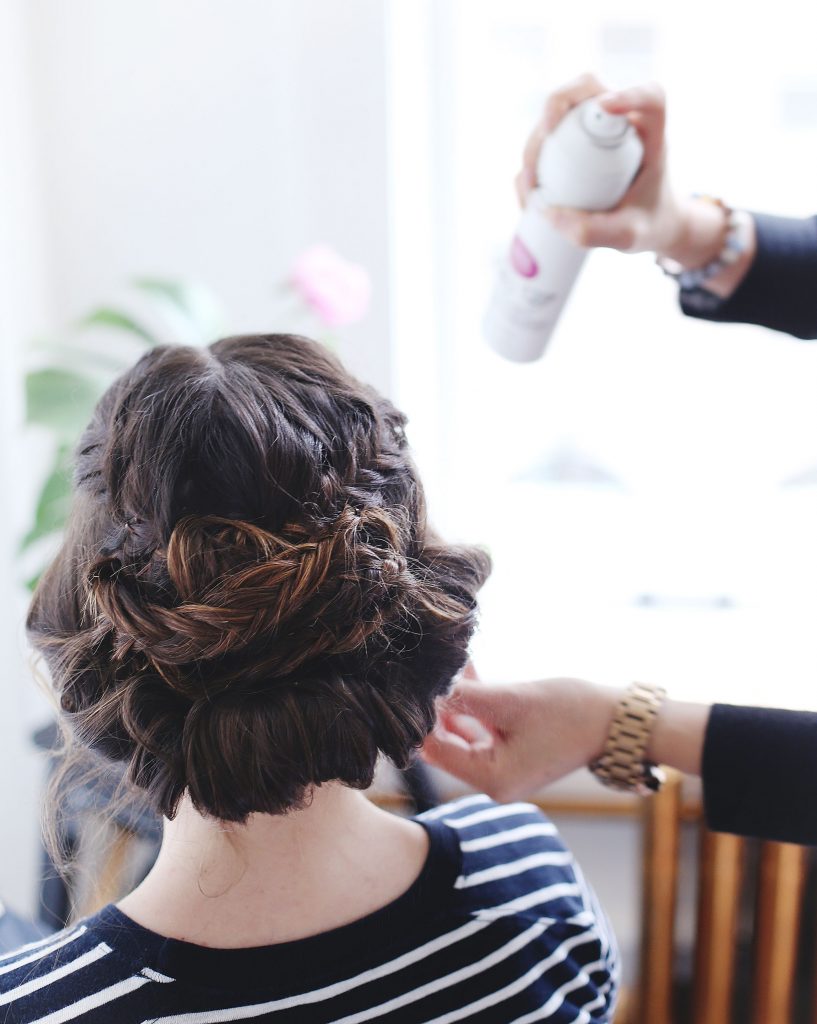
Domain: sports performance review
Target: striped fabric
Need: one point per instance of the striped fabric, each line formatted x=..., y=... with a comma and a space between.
x=500, y=927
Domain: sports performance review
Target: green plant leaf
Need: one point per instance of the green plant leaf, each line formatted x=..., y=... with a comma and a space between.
x=60, y=399
x=194, y=301
x=32, y=581
x=73, y=351
x=180, y=294
x=54, y=501
x=105, y=316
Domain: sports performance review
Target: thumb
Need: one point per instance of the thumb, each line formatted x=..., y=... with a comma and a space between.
x=465, y=740
x=616, y=230
x=489, y=704
x=469, y=759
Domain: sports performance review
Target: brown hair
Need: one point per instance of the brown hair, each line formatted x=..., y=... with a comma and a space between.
x=248, y=600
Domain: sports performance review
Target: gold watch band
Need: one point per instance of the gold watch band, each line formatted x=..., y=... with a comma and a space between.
x=623, y=763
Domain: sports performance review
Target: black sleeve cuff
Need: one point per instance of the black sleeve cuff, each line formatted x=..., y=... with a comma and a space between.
x=760, y=773
x=780, y=288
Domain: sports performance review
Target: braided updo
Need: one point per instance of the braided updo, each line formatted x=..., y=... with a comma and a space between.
x=248, y=601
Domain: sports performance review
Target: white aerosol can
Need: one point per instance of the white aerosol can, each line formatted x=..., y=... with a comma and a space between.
x=588, y=162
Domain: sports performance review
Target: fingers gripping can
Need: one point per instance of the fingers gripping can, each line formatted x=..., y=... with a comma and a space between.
x=588, y=162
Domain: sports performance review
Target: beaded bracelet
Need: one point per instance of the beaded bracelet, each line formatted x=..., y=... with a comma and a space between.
x=735, y=244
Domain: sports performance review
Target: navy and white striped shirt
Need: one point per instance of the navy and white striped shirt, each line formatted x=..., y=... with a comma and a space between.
x=499, y=927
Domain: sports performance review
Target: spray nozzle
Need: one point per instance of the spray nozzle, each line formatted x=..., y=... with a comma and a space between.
x=604, y=128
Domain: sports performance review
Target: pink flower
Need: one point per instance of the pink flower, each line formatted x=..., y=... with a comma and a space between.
x=338, y=291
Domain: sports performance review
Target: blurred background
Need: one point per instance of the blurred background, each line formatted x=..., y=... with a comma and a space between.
x=648, y=490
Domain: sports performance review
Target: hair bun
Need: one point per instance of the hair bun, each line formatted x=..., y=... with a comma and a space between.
x=248, y=601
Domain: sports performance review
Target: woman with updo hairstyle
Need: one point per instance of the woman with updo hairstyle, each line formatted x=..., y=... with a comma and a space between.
x=248, y=610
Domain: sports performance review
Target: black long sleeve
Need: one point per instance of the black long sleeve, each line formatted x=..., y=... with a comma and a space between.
x=780, y=288
x=760, y=773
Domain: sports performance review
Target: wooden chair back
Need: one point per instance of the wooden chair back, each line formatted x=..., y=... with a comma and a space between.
x=779, y=883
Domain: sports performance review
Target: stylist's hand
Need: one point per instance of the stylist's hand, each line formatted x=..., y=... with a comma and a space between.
x=649, y=217
x=512, y=739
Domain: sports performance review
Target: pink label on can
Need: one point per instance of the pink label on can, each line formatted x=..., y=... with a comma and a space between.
x=521, y=260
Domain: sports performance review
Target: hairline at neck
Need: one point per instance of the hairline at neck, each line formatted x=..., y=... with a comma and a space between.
x=277, y=877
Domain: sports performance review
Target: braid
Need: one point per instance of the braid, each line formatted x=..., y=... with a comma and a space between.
x=238, y=584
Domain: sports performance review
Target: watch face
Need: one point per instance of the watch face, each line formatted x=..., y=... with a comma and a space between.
x=654, y=778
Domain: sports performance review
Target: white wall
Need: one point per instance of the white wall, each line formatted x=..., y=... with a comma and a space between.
x=25, y=310
x=212, y=140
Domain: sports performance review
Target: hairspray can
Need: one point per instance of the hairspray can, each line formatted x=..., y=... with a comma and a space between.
x=588, y=162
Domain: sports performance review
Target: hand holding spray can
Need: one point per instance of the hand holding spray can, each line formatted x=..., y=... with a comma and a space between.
x=588, y=162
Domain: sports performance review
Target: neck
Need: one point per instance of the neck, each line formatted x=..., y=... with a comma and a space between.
x=277, y=877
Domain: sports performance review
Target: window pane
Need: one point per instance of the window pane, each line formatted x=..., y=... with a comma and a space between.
x=648, y=488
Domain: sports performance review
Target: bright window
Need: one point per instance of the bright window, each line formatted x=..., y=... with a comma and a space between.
x=649, y=489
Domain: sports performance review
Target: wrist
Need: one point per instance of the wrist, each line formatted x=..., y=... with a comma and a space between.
x=699, y=234
x=677, y=737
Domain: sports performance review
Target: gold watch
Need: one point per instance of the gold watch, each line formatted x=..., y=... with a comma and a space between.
x=622, y=765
